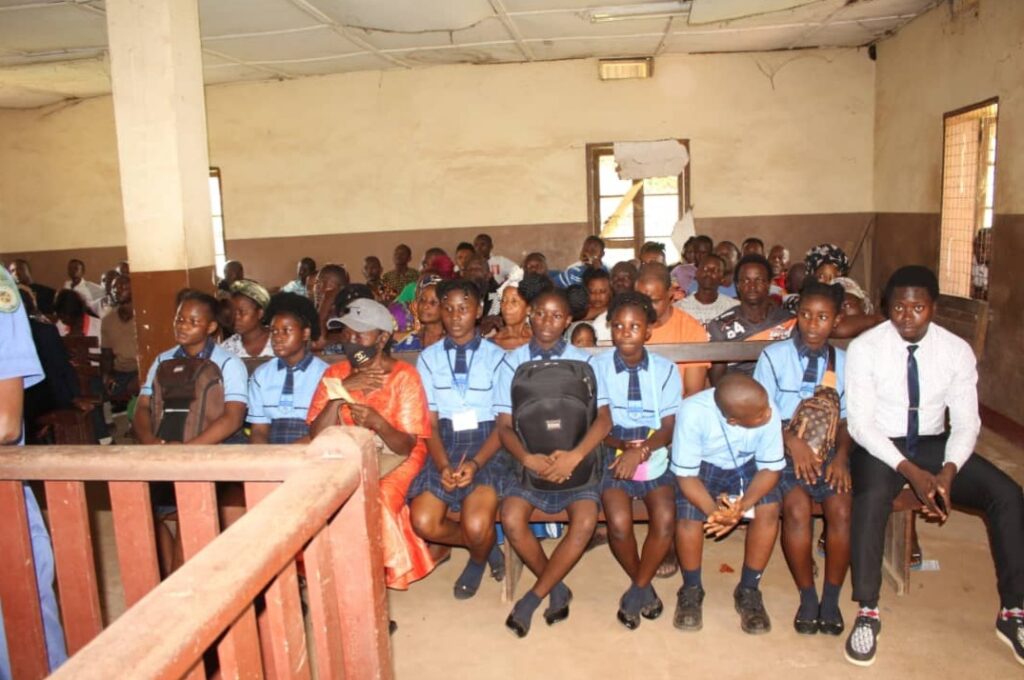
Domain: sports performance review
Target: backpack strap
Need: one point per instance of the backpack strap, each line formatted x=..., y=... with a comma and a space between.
x=829, y=379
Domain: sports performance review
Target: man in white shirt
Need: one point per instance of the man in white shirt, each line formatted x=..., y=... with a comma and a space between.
x=500, y=266
x=90, y=292
x=901, y=377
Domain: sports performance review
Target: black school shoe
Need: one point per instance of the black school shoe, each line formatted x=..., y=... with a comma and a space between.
x=805, y=626
x=862, y=644
x=1010, y=629
x=750, y=606
x=553, y=616
x=689, y=614
x=652, y=609
x=831, y=626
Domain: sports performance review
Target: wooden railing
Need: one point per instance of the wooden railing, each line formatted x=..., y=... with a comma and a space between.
x=234, y=608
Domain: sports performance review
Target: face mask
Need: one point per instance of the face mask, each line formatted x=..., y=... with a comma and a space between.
x=359, y=355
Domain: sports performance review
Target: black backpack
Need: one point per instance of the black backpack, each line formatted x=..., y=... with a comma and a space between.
x=554, y=403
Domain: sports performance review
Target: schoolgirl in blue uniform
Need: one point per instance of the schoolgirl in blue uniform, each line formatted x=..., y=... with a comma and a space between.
x=789, y=372
x=550, y=315
x=644, y=392
x=465, y=470
x=281, y=389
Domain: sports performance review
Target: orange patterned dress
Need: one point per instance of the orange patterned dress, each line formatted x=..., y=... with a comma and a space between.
x=401, y=402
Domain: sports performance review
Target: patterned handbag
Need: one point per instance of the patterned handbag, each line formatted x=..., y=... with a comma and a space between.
x=816, y=418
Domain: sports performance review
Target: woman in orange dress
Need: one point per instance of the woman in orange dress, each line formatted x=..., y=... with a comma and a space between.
x=388, y=399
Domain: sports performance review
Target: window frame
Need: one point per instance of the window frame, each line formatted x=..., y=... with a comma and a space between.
x=219, y=267
x=594, y=151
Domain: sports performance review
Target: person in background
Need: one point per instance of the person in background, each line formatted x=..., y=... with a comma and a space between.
x=372, y=272
x=536, y=263
x=22, y=273
x=251, y=337
x=623, y=277
x=795, y=276
x=590, y=258
x=119, y=350
x=515, y=330
x=499, y=266
x=334, y=343
x=686, y=257
x=752, y=245
x=855, y=301
x=581, y=334
x=706, y=302
x=20, y=369
x=427, y=309
x=402, y=275
x=778, y=258
x=685, y=273
x=305, y=268
x=329, y=282
x=463, y=251
x=122, y=268
x=476, y=272
x=233, y=271
x=91, y=292
x=105, y=304
x=73, y=318
x=652, y=251
x=826, y=262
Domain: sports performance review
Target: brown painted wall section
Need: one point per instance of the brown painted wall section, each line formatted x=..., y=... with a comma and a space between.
x=900, y=239
x=1001, y=379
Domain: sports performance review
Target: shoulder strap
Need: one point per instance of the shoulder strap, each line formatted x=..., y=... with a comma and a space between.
x=829, y=379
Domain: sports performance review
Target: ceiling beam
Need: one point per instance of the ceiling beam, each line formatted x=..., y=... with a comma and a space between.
x=499, y=8
x=344, y=32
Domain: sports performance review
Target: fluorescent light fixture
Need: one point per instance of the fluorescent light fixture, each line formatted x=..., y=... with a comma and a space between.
x=647, y=10
x=625, y=69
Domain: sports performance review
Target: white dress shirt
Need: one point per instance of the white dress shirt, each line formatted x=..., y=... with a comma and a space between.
x=90, y=292
x=876, y=391
x=500, y=267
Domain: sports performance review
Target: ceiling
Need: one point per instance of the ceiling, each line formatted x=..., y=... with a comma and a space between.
x=51, y=50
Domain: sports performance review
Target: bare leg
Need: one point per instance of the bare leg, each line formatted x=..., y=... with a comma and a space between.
x=618, y=511
x=429, y=519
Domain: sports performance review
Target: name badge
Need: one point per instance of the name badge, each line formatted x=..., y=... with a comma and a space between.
x=464, y=420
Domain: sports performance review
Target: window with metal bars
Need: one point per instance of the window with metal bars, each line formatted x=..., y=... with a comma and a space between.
x=627, y=213
x=968, y=183
x=220, y=256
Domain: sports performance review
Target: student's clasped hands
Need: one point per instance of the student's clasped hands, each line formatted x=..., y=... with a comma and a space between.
x=556, y=467
x=725, y=518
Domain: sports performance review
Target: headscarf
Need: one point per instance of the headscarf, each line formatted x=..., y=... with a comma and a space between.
x=854, y=289
x=442, y=265
x=252, y=290
x=827, y=253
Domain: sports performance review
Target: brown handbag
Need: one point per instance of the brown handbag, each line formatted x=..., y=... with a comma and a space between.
x=816, y=418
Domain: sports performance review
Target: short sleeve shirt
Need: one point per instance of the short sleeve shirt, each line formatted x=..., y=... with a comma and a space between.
x=266, y=401
x=236, y=377
x=520, y=355
x=702, y=435
x=681, y=327
x=780, y=369
x=436, y=366
x=18, y=358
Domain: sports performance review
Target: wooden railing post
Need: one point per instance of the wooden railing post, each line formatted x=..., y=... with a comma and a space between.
x=359, y=576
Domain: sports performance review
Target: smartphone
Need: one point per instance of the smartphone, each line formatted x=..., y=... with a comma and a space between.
x=940, y=503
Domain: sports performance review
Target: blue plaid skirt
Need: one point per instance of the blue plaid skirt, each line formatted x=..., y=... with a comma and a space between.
x=458, y=444
x=287, y=430
x=818, y=491
x=553, y=502
x=718, y=481
x=633, y=489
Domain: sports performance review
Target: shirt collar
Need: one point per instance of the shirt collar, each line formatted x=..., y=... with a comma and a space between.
x=621, y=366
x=203, y=354
x=303, y=364
x=556, y=351
x=473, y=345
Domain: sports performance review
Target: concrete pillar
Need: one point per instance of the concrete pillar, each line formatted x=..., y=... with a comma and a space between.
x=159, y=111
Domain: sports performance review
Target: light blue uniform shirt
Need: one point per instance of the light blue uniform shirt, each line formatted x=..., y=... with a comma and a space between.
x=520, y=355
x=702, y=435
x=436, y=367
x=661, y=393
x=18, y=360
x=266, y=401
x=236, y=377
x=780, y=369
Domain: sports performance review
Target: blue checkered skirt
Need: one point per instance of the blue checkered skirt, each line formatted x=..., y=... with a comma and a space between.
x=287, y=430
x=818, y=491
x=633, y=488
x=458, y=444
x=718, y=481
x=555, y=501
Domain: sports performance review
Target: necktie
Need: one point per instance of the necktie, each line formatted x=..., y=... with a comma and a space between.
x=289, y=382
x=633, y=392
x=811, y=372
x=914, y=399
x=460, y=360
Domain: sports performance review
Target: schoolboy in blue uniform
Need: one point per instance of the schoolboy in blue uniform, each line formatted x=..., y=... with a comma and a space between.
x=19, y=369
x=789, y=371
x=644, y=392
x=466, y=470
x=550, y=314
x=727, y=453
x=281, y=389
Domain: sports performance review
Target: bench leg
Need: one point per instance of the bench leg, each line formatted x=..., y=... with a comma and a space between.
x=513, y=570
x=896, y=553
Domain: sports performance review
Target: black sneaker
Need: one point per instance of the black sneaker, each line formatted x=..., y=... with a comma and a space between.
x=1010, y=629
x=689, y=614
x=862, y=643
x=750, y=606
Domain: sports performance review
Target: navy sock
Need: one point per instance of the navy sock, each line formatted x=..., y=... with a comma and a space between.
x=495, y=559
x=691, y=579
x=471, y=576
x=559, y=595
x=751, y=578
x=524, y=608
x=830, y=601
x=633, y=599
x=808, y=604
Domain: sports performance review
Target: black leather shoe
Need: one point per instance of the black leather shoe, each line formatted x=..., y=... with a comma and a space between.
x=689, y=614
x=630, y=621
x=553, y=616
x=750, y=606
x=518, y=628
x=805, y=626
x=652, y=609
x=831, y=626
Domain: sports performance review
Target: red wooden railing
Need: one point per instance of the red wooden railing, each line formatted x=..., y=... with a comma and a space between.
x=319, y=501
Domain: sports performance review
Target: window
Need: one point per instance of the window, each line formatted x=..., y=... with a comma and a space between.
x=627, y=213
x=220, y=256
x=968, y=183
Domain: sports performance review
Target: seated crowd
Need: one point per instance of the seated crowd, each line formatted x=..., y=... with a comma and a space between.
x=704, y=446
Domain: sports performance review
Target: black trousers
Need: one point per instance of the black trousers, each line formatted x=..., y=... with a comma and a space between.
x=978, y=485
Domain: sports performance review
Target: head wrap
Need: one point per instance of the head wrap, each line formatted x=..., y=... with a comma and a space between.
x=827, y=253
x=854, y=289
x=252, y=290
